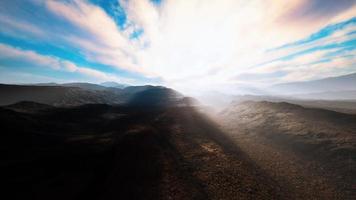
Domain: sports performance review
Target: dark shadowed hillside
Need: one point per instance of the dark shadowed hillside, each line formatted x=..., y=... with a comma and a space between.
x=122, y=152
x=56, y=95
x=148, y=142
x=75, y=94
x=154, y=96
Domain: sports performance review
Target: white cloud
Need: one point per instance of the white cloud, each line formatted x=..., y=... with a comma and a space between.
x=107, y=43
x=190, y=39
x=15, y=27
x=336, y=67
x=198, y=42
x=314, y=65
x=9, y=52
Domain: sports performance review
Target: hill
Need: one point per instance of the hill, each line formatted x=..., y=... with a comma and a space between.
x=56, y=95
x=292, y=134
x=75, y=94
x=100, y=151
x=261, y=150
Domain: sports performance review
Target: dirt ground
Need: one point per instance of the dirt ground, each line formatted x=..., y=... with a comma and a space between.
x=172, y=153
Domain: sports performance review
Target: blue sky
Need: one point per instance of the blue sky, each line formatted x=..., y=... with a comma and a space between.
x=176, y=43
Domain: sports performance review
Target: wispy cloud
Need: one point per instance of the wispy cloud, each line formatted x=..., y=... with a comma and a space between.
x=201, y=43
x=327, y=52
x=9, y=52
x=12, y=26
x=106, y=44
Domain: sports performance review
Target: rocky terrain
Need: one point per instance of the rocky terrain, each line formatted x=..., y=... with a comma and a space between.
x=158, y=144
x=106, y=152
x=305, y=149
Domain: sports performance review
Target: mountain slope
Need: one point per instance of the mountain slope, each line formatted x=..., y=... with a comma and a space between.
x=298, y=146
x=345, y=106
x=127, y=152
x=84, y=93
x=121, y=152
x=155, y=96
x=55, y=95
x=293, y=121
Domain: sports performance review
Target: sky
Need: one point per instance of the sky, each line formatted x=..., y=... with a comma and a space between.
x=187, y=45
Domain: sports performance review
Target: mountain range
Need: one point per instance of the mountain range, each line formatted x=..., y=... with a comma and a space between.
x=74, y=94
x=331, y=87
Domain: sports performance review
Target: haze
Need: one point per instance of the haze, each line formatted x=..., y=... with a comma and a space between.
x=209, y=44
x=178, y=99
